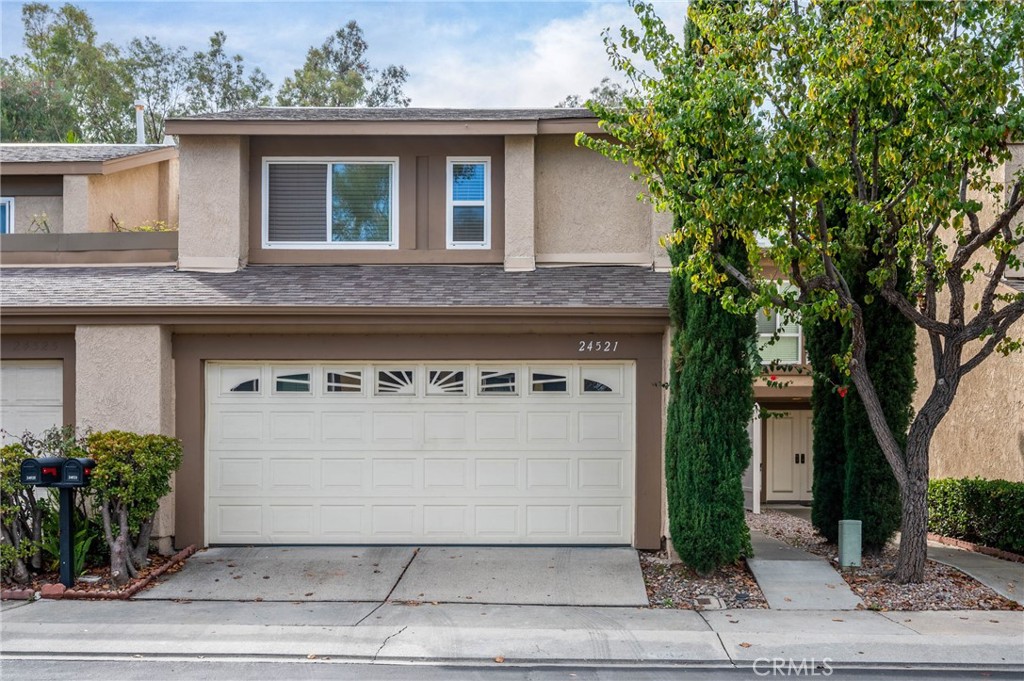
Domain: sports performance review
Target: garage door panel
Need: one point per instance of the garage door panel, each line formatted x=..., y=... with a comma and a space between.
x=31, y=396
x=416, y=460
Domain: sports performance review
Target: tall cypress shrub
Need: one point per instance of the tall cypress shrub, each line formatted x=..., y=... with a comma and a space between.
x=707, y=446
x=824, y=338
x=871, y=493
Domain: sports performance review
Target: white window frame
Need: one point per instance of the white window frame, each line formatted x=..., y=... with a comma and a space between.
x=450, y=203
x=391, y=244
x=9, y=201
x=763, y=338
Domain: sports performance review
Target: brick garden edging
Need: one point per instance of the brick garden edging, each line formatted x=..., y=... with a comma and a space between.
x=58, y=591
x=976, y=548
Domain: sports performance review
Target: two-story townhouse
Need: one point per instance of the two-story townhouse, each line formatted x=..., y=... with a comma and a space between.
x=385, y=326
x=393, y=326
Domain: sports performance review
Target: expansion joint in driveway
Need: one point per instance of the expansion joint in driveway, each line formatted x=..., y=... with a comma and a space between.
x=388, y=597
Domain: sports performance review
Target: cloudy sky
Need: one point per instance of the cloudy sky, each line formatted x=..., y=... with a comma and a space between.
x=459, y=54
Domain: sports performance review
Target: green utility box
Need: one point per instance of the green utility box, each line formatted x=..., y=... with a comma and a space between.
x=849, y=543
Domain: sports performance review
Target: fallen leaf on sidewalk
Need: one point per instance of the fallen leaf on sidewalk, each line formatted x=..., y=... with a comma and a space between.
x=309, y=594
x=499, y=659
x=745, y=645
x=788, y=599
x=836, y=619
x=311, y=656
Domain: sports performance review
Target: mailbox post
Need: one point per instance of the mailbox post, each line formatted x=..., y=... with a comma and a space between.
x=66, y=475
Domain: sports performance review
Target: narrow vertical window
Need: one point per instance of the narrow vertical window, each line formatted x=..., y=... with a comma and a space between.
x=469, y=203
x=6, y=216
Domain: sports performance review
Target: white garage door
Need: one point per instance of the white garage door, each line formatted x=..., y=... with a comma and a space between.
x=31, y=396
x=517, y=453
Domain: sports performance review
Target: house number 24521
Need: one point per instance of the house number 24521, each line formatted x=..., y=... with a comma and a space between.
x=598, y=345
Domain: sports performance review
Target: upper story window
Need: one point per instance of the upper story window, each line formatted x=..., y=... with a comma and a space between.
x=468, y=209
x=6, y=216
x=340, y=203
x=787, y=347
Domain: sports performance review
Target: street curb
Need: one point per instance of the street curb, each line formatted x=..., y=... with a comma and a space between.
x=76, y=594
x=976, y=548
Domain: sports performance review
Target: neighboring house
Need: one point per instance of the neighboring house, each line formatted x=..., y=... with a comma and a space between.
x=57, y=199
x=385, y=326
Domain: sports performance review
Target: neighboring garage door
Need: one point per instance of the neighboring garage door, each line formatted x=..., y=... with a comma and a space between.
x=515, y=453
x=31, y=396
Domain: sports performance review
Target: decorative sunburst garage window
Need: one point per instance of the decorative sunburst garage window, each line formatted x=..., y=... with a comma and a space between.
x=498, y=382
x=446, y=382
x=344, y=381
x=395, y=382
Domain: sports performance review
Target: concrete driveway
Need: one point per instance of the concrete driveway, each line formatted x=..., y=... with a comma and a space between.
x=493, y=575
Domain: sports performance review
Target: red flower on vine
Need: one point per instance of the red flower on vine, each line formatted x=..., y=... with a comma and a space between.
x=772, y=377
x=842, y=391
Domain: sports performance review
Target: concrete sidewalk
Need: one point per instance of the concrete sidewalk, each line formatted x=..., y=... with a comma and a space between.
x=516, y=634
x=1002, y=576
x=792, y=579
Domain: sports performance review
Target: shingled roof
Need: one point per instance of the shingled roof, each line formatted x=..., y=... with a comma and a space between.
x=308, y=113
x=72, y=153
x=343, y=287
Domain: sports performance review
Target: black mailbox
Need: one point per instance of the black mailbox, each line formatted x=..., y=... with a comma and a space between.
x=77, y=472
x=42, y=472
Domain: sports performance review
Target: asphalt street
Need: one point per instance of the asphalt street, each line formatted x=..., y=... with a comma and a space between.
x=132, y=669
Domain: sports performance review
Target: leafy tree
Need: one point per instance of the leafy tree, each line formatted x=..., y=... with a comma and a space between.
x=217, y=82
x=608, y=94
x=62, y=51
x=900, y=113
x=33, y=109
x=132, y=473
x=160, y=75
x=711, y=398
x=338, y=74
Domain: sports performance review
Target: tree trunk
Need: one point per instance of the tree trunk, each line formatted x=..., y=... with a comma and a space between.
x=119, y=574
x=913, y=530
x=20, y=574
x=140, y=552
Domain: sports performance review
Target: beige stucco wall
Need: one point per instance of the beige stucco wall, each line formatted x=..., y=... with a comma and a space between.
x=587, y=210
x=983, y=433
x=520, y=203
x=76, y=204
x=124, y=379
x=27, y=206
x=131, y=197
x=214, y=202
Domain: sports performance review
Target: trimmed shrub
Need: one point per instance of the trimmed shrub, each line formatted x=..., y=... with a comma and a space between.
x=707, y=446
x=871, y=493
x=825, y=341
x=133, y=472
x=986, y=512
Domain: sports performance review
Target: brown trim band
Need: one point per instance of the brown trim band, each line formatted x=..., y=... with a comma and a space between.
x=47, y=346
x=392, y=128
x=191, y=352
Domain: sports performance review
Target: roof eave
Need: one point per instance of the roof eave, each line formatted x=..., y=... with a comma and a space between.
x=392, y=128
x=108, y=167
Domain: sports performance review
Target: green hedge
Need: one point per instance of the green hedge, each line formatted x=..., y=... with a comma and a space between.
x=987, y=512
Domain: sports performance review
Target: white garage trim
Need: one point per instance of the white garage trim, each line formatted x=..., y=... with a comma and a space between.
x=31, y=396
x=440, y=452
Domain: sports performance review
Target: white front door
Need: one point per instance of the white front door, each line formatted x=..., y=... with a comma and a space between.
x=789, y=457
x=31, y=397
x=527, y=453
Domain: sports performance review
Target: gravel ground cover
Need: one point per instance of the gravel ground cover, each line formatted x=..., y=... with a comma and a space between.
x=677, y=586
x=944, y=587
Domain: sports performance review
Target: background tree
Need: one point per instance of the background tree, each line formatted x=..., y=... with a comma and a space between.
x=160, y=75
x=900, y=113
x=338, y=74
x=216, y=81
x=607, y=94
x=63, y=54
x=32, y=108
